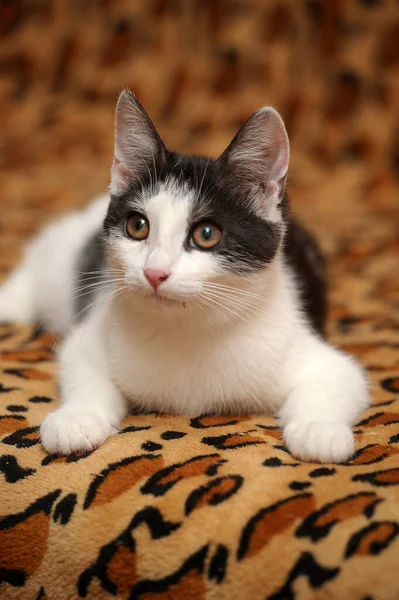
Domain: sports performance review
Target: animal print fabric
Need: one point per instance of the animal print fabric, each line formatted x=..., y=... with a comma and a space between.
x=208, y=508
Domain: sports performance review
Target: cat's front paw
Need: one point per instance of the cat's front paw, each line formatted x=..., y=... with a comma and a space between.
x=319, y=441
x=65, y=431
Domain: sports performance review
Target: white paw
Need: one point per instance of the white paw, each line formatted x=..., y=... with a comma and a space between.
x=65, y=431
x=319, y=441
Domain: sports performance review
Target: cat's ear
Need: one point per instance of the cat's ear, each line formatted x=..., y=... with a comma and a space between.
x=137, y=143
x=259, y=153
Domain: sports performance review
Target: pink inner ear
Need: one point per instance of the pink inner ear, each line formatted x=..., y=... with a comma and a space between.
x=119, y=175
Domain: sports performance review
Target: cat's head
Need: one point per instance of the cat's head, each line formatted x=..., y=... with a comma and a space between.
x=192, y=231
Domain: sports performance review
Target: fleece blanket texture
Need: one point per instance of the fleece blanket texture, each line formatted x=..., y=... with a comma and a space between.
x=210, y=508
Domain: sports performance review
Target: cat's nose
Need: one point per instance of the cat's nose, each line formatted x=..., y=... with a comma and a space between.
x=155, y=277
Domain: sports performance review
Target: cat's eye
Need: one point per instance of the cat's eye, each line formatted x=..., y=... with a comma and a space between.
x=205, y=236
x=137, y=227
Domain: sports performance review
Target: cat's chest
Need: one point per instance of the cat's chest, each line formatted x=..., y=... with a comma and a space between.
x=191, y=376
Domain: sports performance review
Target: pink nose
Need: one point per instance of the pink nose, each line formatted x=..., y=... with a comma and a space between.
x=155, y=277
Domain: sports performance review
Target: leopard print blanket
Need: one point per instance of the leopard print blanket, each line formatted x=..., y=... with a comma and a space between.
x=208, y=508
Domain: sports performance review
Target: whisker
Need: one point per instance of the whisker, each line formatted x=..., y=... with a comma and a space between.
x=99, y=283
x=235, y=314
x=86, y=308
x=99, y=277
x=100, y=271
x=111, y=285
x=218, y=286
x=243, y=302
x=214, y=307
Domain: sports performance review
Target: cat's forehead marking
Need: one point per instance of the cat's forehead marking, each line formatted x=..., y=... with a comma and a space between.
x=168, y=201
x=168, y=211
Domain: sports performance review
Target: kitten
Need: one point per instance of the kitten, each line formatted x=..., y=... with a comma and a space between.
x=190, y=291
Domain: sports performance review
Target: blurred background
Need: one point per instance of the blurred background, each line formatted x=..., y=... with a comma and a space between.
x=201, y=67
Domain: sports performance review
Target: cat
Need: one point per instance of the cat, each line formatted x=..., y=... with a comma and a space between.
x=190, y=290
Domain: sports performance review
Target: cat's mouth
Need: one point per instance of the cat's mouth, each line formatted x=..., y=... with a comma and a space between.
x=164, y=301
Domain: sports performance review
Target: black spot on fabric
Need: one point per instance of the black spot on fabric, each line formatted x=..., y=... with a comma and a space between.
x=163, y=480
x=12, y=471
x=365, y=455
x=322, y=472
x=223, y=442
x=275, y=461
x=218, y=565
x=197, y=423
x=23, y=438
x=172, y=435
x=318, y=524
x=213, y=493
x=4, y=389
x=134, y=429
x=41, y=595
x=379, y=478
x=14, y=577
x=268, y=427
x=390, y=384
x=372, y=417
x=213, y=469
x=300, y=485
x=17, y=408
x=193, y=564
x=387, y=403
x=158, y=528
x=43, y=505
x=251, y=525
x=21, y=373
x=306, y=566
x=345, y=323
x=71, y=458
x=151, y=446
x=64, y=509
x=394, y=439
x=40, y=400
x=12, y=417
x=386, y=532
x=282, y=448
x=101, y=477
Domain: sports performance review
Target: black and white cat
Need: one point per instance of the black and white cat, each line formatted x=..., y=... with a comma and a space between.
x=199, y=295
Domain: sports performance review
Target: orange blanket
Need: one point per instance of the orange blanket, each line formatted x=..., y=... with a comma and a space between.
x=212, y=508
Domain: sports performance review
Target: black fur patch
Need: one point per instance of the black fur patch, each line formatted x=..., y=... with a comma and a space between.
x=91, y=261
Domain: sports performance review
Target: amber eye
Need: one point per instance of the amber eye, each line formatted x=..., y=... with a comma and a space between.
x=137, y=227
x=205, y=236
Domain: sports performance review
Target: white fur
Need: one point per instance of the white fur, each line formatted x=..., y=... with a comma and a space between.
x=41, y=289
x=194, y=350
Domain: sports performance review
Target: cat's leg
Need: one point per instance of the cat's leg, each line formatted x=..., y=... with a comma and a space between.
x=92, y=407
x=17, y=295
x=329, y=393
